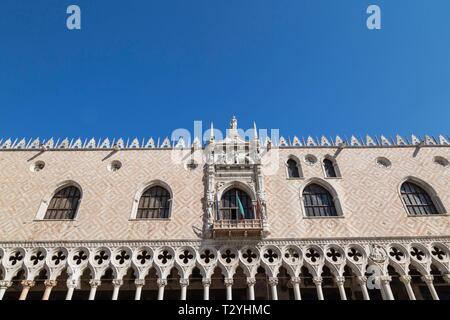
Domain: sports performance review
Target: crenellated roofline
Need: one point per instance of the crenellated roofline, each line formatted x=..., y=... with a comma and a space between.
x=166, y=143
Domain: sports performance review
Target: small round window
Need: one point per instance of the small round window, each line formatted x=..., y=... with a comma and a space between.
x=383, y=162
x=441, y=161
x=310, y=159
x=115, y=166
x=37, y=166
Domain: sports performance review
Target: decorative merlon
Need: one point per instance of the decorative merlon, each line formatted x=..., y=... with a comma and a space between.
x=181, y=143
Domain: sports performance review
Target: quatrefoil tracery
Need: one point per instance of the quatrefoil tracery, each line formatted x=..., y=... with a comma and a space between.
x=354, y=254
x=164, y=257
x=270, y=255
x=417, y=253
x=101, y=257
x=438, y=253
x=186, y=256
x=15, y=257
x=79, y=257
x=58, y=257
x=228, y=256
x=38, y=257
x=122, y=256
x=396, y=253
x=249, y=255
x=143, y=256
x=313, y=255
x=207, y=256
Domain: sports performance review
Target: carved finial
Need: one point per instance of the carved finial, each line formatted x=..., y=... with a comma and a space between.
x=255, y=131
x=233, y=123
x=211, y=134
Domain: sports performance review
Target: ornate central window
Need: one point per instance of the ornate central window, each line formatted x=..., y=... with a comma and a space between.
x=236, y=205
x=154, y=203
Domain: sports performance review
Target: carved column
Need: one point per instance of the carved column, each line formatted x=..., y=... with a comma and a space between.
x=273, y=282
x=385, y=282
x=340, y=283
x=295, y=281
x=162, y=283
x=26, y=285
x=71, y=285
x=49, y=284
x=139, y=283
x=206, y=282
x=4, y=285
x=406, y=279
x=117, y=283
x=94, y=285
x=251, y=288
x=362, y=281
x=183, y=284
x=229, y=286
x=318, y=282
x=428, y=279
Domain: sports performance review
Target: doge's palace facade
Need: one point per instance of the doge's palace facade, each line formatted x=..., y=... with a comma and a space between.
x=234, y=218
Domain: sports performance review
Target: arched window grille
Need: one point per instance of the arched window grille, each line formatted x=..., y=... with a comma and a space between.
x=64, y=204
x=154, y=203
x=236, y=205
x=293, y=171
x=330, y=171
x=318, y=202
x=417, y=200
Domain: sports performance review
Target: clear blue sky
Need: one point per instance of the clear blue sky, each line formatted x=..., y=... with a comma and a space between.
x=144, y=68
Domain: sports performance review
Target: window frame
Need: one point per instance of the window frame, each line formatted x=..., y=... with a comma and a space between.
x=430, y=191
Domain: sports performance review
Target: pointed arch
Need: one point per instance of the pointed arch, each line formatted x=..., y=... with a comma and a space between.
x=293, y=168
x=153, y=200
x=62, y=203
x=330, y=167
x=320, y=199
x=419, y=198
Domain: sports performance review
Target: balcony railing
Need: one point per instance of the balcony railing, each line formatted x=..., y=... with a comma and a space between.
x=238, y=228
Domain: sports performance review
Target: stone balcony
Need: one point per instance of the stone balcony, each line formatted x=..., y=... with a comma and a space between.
x=247, y=228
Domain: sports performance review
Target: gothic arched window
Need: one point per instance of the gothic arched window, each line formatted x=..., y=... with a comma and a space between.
x=330, y=171
x=318, y=202
x=154, y=203
x=64, y=204
x=417, y=200
x=236, y=205
x=292, y=167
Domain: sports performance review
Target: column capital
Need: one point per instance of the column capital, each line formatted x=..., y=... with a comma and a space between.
x=446, y=277
x=50, y=283
x=94, y=283
x=72, y=283
x=317, y=280
x=117, y=282
x=28, y=283
x=386, y=279
x=161, y=282
x=339, y=280
x=295, y=280
x=228, y=282
x=406, y=278
x=184, y=282
x=428, y=278
x=251, y=281
x=139, y=282
x=273, y=281
x=5, y=283
x=206, y=282
x=362, y=280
